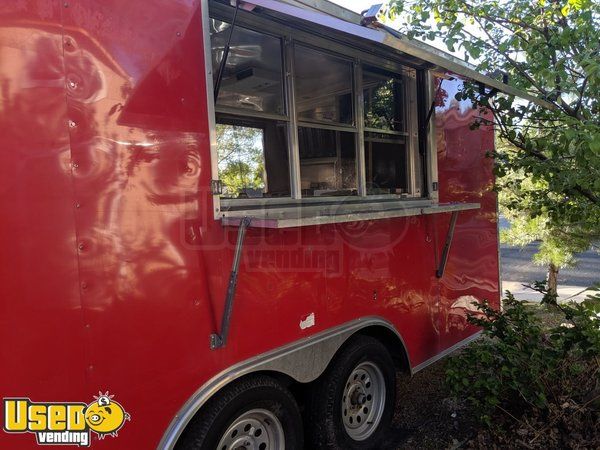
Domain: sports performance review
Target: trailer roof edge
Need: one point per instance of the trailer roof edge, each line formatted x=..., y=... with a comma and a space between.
x=328, y=14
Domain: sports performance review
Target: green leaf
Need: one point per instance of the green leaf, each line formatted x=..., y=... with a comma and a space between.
x=576, y=4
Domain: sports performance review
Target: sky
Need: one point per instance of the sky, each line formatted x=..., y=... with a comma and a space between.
x=361, y=5
x=356, y=5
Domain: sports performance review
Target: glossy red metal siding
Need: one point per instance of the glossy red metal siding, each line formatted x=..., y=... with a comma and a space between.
x=466, y=175
x=113, y=271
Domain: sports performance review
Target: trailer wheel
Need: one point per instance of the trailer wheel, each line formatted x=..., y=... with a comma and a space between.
x=351, y=406
x=256, y=413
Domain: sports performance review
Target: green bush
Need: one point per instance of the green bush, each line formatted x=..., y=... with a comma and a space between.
x=524, y=366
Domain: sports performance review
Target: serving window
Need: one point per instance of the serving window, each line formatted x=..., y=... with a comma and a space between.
x=252, y=122
x=298, y=118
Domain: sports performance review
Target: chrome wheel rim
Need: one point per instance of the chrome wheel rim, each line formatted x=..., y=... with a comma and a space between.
x=257, y=429
x=363, y=401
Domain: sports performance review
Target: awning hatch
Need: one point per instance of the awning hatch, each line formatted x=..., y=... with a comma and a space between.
x=437, y=58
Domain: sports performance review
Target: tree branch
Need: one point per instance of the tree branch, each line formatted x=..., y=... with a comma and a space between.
x=588, y=194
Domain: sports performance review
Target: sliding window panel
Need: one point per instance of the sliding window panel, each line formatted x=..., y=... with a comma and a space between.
x=323, y=87
x=384, y=102
x=253, y=158
x=253, y=73
x=387, y=165
x=387, y=120
x=327, y=162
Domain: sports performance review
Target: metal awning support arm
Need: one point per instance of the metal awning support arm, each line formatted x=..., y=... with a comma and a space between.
x=442, y=267
x=226, y=53
x=219, y=340
x=431, y=108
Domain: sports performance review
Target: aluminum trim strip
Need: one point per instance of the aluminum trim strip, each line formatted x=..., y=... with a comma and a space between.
x=359, y=142
x=230, y=204
x=210, y=103
x=292, y=134
x=230, y=111
x=432, y=156
x=446, y=352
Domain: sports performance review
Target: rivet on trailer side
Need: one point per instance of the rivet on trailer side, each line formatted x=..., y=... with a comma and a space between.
x=233, y=213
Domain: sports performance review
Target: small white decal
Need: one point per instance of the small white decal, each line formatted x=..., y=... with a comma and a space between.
x=308, y=321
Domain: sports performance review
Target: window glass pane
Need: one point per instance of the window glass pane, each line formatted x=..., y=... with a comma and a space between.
x=384, y=102
x=386, y=152
x=253, y=73
x=386, y=159
x=323, y=87
x=253, y=158
x=327, y=162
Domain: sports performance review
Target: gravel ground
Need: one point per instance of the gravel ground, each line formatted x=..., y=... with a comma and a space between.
x=426, y=417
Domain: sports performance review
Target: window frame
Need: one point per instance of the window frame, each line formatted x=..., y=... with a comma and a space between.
x=361, y=60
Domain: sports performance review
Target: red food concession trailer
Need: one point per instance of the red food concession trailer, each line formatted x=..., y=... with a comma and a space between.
x=228, y=225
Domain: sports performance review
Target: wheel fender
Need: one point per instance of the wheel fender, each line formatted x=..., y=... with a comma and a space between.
x=304, y=361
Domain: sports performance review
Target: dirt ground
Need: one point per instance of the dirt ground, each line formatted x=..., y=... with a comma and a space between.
x=426, y=416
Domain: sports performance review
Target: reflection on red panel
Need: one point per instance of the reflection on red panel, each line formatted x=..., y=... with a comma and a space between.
x=466, y=175
x=41, y=334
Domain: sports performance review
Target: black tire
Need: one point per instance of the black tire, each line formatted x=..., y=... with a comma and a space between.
x=324, y=421
x=207, y=428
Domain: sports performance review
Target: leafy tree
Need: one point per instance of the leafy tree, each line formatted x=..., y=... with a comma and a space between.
x=551, y=158
x=557, y=247
x=240, y=158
